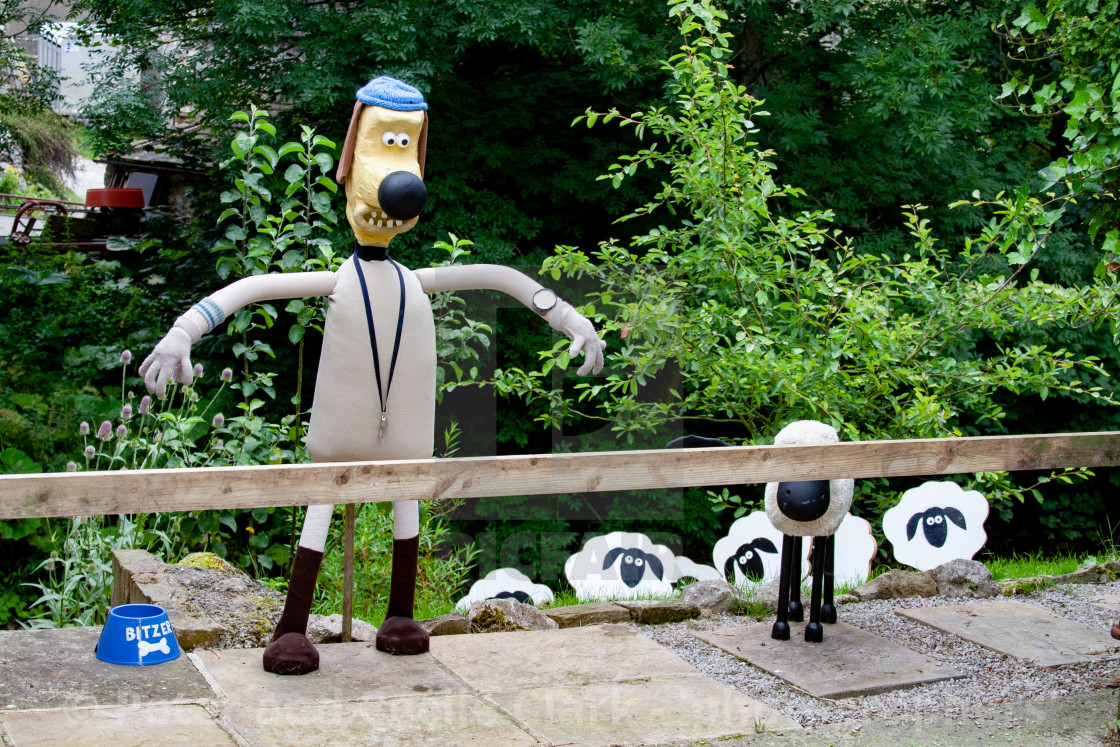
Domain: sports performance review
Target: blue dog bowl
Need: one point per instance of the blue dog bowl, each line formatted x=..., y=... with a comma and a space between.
x=137, y=634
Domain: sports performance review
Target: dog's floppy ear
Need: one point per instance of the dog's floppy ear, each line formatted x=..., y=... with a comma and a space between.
x=422, y=145
x=347, y=156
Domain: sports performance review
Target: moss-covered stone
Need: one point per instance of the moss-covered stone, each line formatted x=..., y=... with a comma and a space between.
x=212, y=562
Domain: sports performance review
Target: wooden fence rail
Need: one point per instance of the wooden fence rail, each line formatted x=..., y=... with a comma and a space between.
x=101, y=493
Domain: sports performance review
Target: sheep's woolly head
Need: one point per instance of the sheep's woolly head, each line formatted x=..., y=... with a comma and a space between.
x=803, y=432
x=806, y=432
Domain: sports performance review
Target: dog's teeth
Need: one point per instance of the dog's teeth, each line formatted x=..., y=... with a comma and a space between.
x=397, y=223
x=379, y=224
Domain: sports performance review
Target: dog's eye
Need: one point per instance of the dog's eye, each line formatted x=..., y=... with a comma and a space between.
x=638, y=562
x=389, y=139
x=403, y=140
x=629, y=559
x=749, y=554
x=939, y=519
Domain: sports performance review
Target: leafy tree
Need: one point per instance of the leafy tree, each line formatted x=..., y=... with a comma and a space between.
x=1069, y=76
x=759, y=317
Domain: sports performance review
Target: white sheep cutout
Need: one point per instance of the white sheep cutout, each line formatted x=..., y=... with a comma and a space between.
x=934, y=523
x=505, y=583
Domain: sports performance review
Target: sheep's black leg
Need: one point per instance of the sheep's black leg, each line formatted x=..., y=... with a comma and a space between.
x=828, y=609
x=780, y=631
x=796, y=612
x=814, y=631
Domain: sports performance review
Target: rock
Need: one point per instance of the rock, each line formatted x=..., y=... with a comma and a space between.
x=1088, y=575
x=658, y=611
x=126, y=565
x=964, y=578
x=451, y=624
x=897, y=585
x=501, y=615
x=328, y=629
x=712, y=596
x=212, y=562
x=578, y=615
x=845, y=598
x=767, y=593
x=207, y=607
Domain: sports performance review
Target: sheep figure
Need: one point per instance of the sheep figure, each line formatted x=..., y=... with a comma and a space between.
x=933, y=522
x=807, y=508
x=634, y=564
x=748, y=559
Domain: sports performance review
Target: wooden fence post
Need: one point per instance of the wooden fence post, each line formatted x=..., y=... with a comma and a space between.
x=348, y=571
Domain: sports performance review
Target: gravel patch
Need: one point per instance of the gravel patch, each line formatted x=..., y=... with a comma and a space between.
x=989, y=677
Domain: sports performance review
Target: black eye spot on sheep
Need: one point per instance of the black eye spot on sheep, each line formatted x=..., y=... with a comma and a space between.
x=518, y=595
x=748, y=559
x=934, y=522
x=634, y=564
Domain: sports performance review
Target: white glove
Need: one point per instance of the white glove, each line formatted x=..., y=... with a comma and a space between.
x=576, y=327
x=170, y=358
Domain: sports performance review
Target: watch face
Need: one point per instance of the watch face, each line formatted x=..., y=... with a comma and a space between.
x=544, y=299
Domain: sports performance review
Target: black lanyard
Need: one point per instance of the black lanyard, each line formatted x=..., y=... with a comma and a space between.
x=382, y=398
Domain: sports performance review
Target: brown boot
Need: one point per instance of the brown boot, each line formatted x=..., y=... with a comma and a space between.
x=290, y=652
x=400, y=634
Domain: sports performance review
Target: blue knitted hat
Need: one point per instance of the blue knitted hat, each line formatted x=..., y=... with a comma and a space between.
x=390, y=93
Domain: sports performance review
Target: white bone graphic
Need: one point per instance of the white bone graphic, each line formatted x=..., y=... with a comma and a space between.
x=147, y=648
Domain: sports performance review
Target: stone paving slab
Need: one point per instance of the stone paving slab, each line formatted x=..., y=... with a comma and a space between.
x=120, y=726
x=1107, y=599
x=1019, y=630
x=593, y=613
x=493, y=662
x=850, y=662
x=650, y=711
x=347, y=672
x=431, y=721
x=58, y=669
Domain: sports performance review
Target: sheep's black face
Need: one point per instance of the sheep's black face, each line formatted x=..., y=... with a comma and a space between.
x=935, y=524
x=633, y=565
x=518, y=595
x=805, y=500
x=748, y=560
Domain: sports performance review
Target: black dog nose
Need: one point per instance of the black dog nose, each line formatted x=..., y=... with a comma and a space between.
x=402, y=195
x=805, y=500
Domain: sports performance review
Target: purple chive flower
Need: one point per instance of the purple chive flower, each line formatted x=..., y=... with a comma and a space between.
x=126, y=356
x=219, y=445
x=83, y=429
x=105, y=430
x=89, y=452
x=218, y=421
x=198, y=369
x=145, y=404
x=121, y=431
x=71, y=466
x=177, y=372
x=227, y=375
x=126, y=412
x=157, y=438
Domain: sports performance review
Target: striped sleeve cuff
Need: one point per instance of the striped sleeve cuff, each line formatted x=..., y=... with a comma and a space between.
x=211, y=311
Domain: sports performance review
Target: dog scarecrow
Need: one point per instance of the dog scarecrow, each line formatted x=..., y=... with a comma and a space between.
x=376, y=387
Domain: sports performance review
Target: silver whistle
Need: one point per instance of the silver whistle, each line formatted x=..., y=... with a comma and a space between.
x=384, y=424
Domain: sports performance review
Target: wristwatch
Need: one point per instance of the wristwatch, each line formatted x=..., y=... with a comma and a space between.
x=544, y=300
